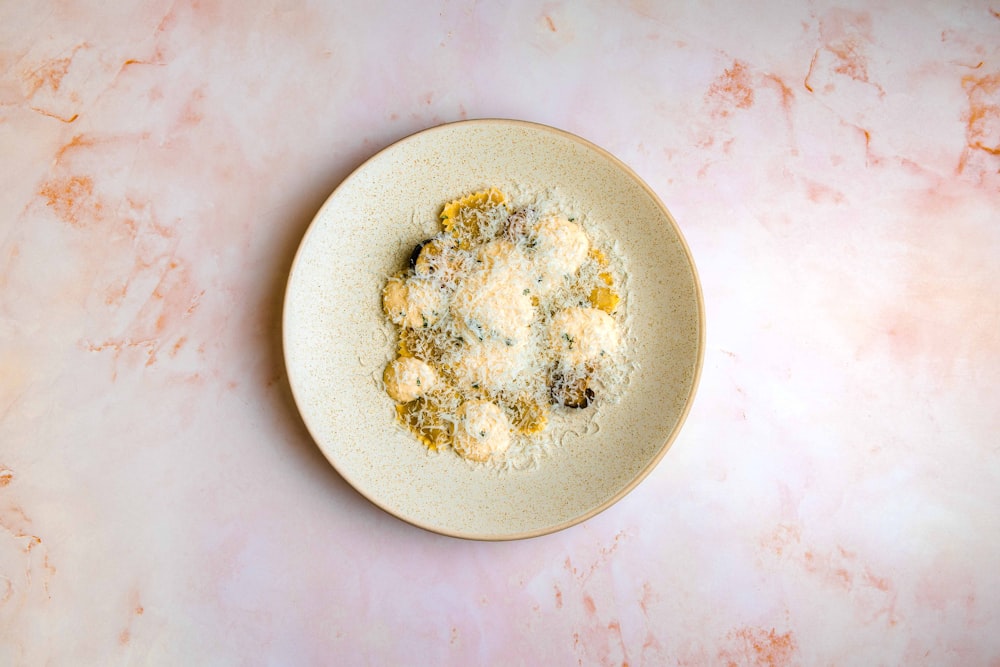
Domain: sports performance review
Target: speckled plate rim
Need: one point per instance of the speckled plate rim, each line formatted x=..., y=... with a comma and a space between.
x=689, y=399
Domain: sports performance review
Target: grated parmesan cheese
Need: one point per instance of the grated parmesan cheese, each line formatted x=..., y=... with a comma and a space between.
x=407, y=379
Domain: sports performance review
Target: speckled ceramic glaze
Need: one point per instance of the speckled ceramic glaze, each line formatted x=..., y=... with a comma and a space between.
x=337, y=341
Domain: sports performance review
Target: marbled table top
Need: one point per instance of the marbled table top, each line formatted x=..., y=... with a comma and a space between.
x=834, y=498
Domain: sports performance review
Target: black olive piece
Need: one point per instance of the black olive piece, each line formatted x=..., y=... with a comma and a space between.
x=580, y=400
x=577, y=395
x=416, y=253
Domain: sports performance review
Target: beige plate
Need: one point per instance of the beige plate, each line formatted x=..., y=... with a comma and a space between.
x=337, y=341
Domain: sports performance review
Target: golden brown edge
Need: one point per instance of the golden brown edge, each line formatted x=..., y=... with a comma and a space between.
x=698, y=362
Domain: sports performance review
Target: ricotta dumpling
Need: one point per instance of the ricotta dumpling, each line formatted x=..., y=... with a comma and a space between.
x=394, y=300
x=414, y=303
x=493, y=303
x=559, y=248
x=583, y=335
x=482, y=431
x=407, y=379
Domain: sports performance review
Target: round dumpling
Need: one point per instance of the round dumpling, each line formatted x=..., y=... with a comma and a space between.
x=493, y=303
x=408, y=378
x=581, y=335
x=482, y=431
x=413, y=303
x=394, y=298
x=560, y=247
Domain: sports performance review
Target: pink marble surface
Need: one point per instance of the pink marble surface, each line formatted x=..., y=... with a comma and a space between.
x=834, y=498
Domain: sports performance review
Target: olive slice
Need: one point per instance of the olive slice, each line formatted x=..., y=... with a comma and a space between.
x=416, y=252
x=432, y=255
x=571, y=394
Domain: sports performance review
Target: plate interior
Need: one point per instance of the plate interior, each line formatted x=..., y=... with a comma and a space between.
x=337, y=341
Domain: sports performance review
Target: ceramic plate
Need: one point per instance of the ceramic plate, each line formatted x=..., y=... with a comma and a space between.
x=337, y=341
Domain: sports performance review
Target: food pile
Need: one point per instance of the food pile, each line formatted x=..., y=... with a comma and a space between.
x=507, y=314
